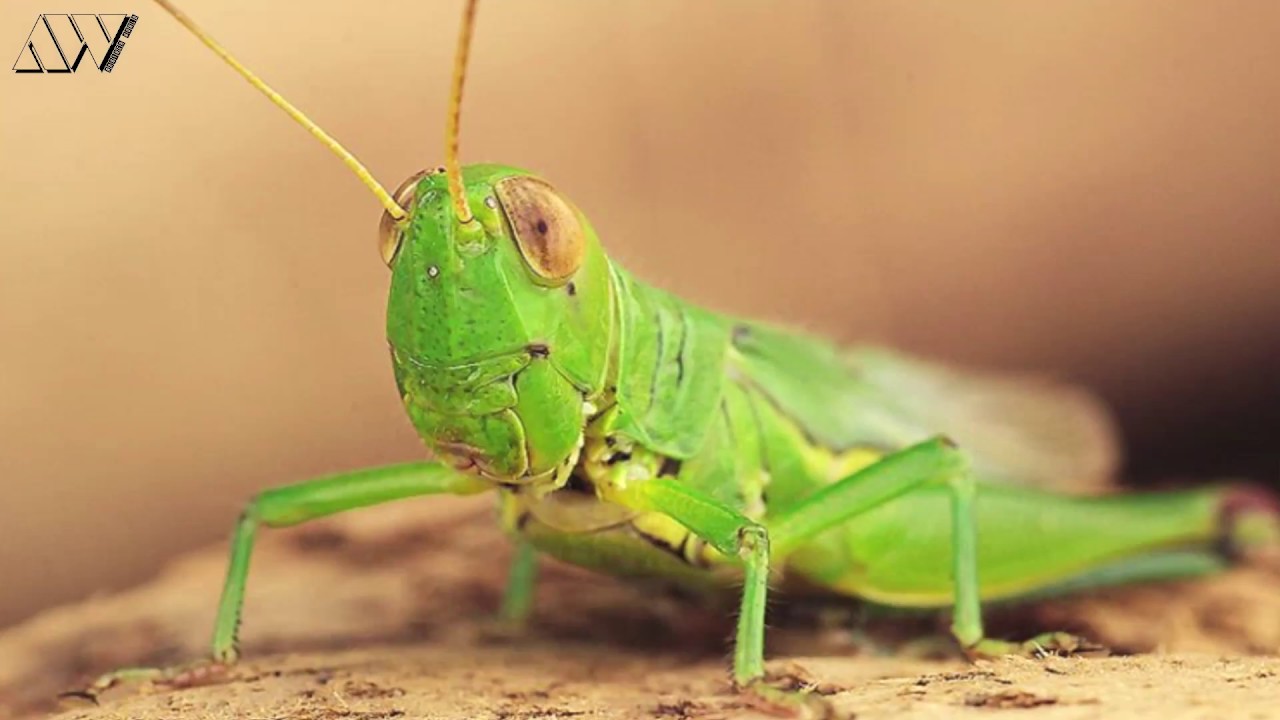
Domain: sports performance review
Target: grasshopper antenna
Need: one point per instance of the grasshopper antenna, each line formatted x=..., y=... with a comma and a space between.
x=452, y=167
x=393, y=208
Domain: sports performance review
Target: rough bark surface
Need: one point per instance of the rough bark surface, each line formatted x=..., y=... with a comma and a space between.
x=382, y=614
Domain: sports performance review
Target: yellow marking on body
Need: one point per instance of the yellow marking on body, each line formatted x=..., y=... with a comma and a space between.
x=661, y=528
x=851, y=461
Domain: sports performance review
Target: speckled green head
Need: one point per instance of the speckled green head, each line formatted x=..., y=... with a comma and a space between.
x=499, y=311
x=499, y=324
x=500, y=307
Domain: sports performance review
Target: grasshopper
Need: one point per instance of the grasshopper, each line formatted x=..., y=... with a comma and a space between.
x=625, y=430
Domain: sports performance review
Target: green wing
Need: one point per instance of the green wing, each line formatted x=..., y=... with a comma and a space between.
x=1018, y=430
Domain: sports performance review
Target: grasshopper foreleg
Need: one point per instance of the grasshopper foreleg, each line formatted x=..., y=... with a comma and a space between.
x=283, y=507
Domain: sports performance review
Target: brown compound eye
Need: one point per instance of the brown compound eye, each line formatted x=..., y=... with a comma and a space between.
x=548, y=232
x=389, y=234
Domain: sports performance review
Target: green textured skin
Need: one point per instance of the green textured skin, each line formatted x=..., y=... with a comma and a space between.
x=508, y=378
x=460, y=338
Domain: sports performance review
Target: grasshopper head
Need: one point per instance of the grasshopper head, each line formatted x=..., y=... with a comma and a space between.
x=500, y=310
x=498, y=325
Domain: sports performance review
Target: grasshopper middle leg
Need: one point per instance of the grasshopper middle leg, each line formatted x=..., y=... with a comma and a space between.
x=517, y=599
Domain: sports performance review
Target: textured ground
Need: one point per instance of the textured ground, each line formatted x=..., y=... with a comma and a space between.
x=380, y=615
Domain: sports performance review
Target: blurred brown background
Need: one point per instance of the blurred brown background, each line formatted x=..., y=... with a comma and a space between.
x=191, y=300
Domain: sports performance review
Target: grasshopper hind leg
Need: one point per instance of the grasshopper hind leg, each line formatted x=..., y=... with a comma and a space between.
x=966, y=621
x=1211, y=529
x=921, y=532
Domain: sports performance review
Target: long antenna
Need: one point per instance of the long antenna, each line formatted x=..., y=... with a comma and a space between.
x=393, y=208
x=452, y=167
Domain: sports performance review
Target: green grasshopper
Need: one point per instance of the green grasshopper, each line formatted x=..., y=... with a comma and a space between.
x=628, y=431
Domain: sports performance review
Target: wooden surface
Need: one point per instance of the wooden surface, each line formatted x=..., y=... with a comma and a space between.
x=382, y=614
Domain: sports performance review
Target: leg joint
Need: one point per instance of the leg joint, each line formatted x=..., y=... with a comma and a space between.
x=753, y=540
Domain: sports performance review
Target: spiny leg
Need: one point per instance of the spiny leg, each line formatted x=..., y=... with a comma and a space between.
x=283, y=507
x=735, y=536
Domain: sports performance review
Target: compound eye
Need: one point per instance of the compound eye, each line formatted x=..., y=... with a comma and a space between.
x=389, y=234
x=548, y=232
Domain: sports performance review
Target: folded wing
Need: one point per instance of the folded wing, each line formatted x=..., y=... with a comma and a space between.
x=1020, y=430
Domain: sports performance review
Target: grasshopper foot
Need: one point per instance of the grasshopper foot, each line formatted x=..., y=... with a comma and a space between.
x=1040, y=646
x=790, y=694
x=183, y=676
